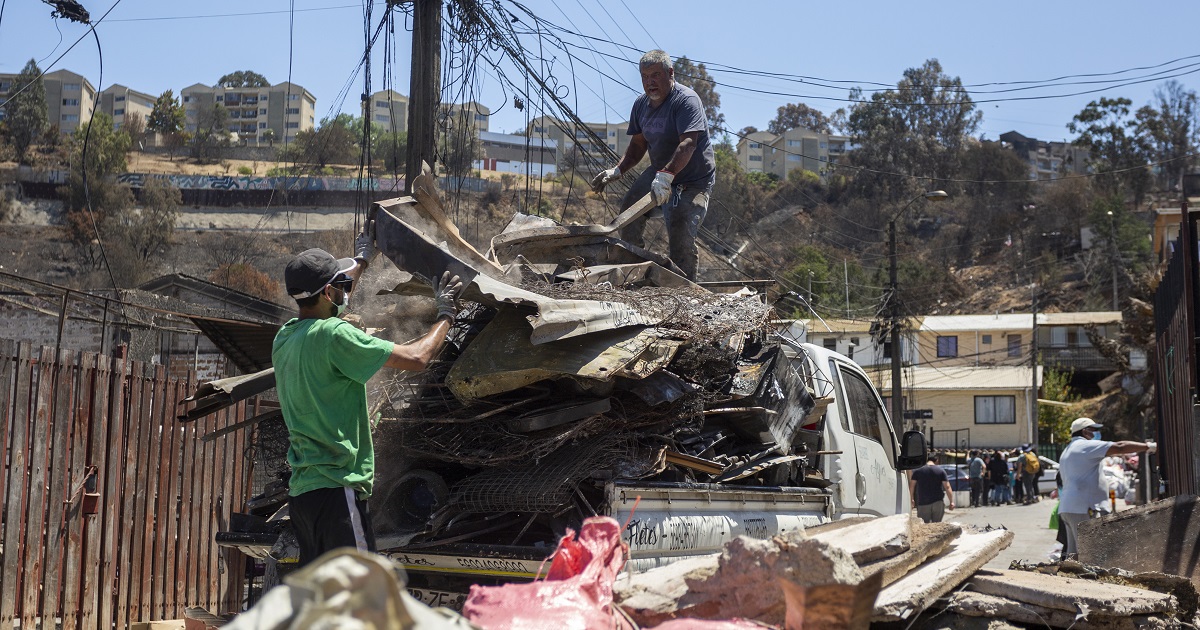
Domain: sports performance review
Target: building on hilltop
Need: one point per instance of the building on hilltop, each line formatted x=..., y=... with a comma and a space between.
x=1048, y=160
x=284, y=108
x=796, y=148
x=576, y=148
x=70, y=98
x=522, y=155
x=389, y=109
x=121, y=102
x=477, y=113
x=753, y=149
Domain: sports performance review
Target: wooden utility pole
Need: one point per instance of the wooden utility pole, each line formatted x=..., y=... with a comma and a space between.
x=425, y=87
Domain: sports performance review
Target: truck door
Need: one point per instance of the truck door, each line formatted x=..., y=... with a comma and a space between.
x=875, y=481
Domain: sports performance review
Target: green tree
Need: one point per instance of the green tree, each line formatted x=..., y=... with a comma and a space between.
x=1170, y=124
x=168, y=115
x=89, y=203
x=333, y=142
x=919, y=128
x=25, y=114
x=392, y=150
x=1054, y=421
x=267, y=135
x=461, y=146
x=243, y=78
x=795, y=115
x=212, y=133
x=147, y=231
x=696, y=77
x=1118, y=152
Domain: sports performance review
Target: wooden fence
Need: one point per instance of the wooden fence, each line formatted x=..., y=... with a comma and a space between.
x=80, y=424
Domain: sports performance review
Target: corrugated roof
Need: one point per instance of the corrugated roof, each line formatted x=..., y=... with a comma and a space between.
x=1001, y=321
x=517, y=140
x=968, y=377
x=1079, y=319
x=815, y=327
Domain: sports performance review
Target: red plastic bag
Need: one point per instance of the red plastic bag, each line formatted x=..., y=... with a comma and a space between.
x=577, y=593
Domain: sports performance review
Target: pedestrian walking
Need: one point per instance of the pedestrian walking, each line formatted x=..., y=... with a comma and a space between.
x=930, y=487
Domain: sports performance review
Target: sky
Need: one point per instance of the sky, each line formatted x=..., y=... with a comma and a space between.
x=746, y=45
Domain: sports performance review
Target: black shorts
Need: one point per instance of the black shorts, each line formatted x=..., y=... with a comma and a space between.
x=328, y=518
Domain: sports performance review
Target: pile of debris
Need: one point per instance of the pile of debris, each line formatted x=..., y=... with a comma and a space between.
x=607, y=367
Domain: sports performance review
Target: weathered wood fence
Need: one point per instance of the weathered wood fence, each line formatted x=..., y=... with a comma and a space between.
x=110, y=504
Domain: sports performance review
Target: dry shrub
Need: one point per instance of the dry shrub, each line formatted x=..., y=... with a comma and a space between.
x=247, y=279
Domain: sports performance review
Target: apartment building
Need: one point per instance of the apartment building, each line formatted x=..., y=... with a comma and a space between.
x=70, y=98
x=121, y=102
x=1048, y=160
x=752, y=150
x=476, y=112
x=285, y=108
x=389, y=109
x=801, y=148
x=577, y=146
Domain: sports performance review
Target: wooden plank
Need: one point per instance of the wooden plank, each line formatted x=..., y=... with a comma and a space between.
x=99, y=379
x=211, y=476
x=74, y=520
x=110, y=515
x=42, y=402
x=15, y=496
x=239, y=494
x=8, y=384
x=128, y=492
x=228, y=503
x=155, y=422
x=142, y=497
x=185, y=569
x=60, y=484
x=174, y=464
x=163, y=507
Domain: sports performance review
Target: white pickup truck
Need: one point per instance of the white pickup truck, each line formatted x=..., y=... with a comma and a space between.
x=856, y=467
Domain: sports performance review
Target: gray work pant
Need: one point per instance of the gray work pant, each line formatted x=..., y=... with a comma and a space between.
x=932, y=512
x=683, y=215
x=1071, y=522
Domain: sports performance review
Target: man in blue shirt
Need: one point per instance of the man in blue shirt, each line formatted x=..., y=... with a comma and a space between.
x=669, y=123
x=976, y=471
x=1083, y=484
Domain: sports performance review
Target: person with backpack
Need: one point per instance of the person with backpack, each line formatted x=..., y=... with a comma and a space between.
x=1030, y=467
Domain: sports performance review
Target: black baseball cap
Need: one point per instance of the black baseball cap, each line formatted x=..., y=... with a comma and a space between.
x=311, y=270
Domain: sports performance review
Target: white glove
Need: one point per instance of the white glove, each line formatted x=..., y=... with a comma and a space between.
x=1151, y=447
x=445, y=294
x=364, y=243
x=603, y=178
x=660, y=188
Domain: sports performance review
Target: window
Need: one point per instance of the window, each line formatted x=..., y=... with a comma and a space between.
x=995, y=410
x=220, y=99
x=70, y=117
x=262, y=125
x=263, y=111
x=71, y=87
x=71, y=102
x=293, y=110
x=4, y=85
x=947, y=346
x=263, y=97
x=986, y=340
x=381, y=103
x=755, y=158
x=755, y=145
x=1014, y=345
x=830, y=343
x=612, y=145
x=187, y=99
x=118, y=112
x=381, y=118
x=792, y=157
x=119, y=99
x=794, y=143
x=539, y=130
x=293, y=125
x=887, y=350
x=612, y=134
x=293, y=97
x=481, y=117
x=866, y=416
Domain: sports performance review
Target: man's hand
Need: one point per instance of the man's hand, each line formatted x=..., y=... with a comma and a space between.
x=1152, y=447
x=445, y=294
x=364, y=243
x=603, y=178
x=951, y=504
x=660, y=188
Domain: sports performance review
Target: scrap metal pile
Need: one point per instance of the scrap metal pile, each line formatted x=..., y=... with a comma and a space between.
x=578, y=360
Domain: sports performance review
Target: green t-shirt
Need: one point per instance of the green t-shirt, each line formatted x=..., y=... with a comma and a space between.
x=321, y=370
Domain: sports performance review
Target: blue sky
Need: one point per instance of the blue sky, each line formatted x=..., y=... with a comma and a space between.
x=866, y=41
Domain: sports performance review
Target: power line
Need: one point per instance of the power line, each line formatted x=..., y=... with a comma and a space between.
x=164, y=18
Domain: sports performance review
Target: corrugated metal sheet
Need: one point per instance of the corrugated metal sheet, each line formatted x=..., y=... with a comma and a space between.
x=972, y=323
x=968, y=377
x=1079, y=319
x=838, y=326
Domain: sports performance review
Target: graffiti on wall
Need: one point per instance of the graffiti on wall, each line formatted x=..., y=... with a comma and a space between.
x=247, y=182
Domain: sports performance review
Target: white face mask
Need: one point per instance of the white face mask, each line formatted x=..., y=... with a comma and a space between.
x=341, y=306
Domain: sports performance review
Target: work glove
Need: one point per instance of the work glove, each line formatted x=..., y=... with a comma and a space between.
x=660, y=188
x=364, y=243
x=445, y=294
x=1151, y=447
x=603, y=178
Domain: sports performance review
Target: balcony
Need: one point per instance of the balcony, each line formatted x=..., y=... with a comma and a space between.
x=1077, y=358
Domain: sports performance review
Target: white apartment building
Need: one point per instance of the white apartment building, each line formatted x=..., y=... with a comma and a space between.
x=575, y=143
x=802, y=148
x=389, y=109
x=479, y=113
x=285, y=108
x=70, y=98
x=121, y=102
x=753, y=149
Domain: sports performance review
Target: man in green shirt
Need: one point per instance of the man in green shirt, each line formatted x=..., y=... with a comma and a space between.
x=322, y=364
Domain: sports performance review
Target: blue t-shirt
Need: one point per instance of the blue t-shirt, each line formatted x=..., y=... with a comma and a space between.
x=1083, y=482
x=976, y=468
x=681, y=113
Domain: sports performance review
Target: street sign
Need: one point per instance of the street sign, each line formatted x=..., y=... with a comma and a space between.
x=918, y=414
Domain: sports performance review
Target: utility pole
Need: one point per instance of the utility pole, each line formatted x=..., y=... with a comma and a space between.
x=894, y=319
x=846, y=277
x=1033, y=366
x=425, y=87
x=1116, y=258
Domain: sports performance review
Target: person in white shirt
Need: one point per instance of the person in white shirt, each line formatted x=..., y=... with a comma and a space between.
x=1083, y=483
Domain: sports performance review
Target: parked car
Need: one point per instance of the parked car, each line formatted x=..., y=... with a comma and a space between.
x=1049, y=481
x=959, y=475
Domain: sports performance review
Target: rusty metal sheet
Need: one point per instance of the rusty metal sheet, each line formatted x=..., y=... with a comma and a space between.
x=416, y=252
x=633, y=274
x=502, y=358
x=214, y=396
